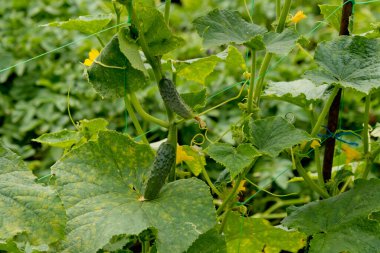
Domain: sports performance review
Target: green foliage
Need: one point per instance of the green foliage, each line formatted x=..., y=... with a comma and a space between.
x=330, y=222
x=111, y=73
x=300, y=92
x=27, y=207
x=158, y=36
x=254, y=235
x=349, y=62
x=223, y=26
x=85, y=24
x=100, y=186
x=273, y=135
x=92, y=200
x=234, y=159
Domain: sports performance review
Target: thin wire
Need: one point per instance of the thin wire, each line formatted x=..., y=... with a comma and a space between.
x=61, y=47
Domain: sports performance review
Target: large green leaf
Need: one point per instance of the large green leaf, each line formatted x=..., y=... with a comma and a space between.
x=27, y=207
x=342, y=223
x=300, y=92
x=112, y=75
x=100, y=185
x=158, y=36
x=224, y=26
x=276, y=43
x=85, y=24
x=196, y=100
x=350, y=62
x=197, y=69
x=234, y=159
x=255, y=235
x=274, y=134
x=209, y=242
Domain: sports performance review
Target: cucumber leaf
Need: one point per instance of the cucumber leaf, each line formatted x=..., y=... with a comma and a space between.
x=272, y=135
x=221, y=27
x=348, y=215
x=85, y=24
x=197, y=69
x=349, y=62
x=300, y=92
x=333, y=15
x=25, y=206
x=62, y=139
x=196, y=100
x=158, y=35
x=130, y=49
x=100, y=185
x=209, y=242
x=111, y=73
x=234, y=159
x=276, y=43
x=256, y=235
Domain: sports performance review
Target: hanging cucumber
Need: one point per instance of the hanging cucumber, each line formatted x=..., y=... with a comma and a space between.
x=163, y=162
x=173, y=100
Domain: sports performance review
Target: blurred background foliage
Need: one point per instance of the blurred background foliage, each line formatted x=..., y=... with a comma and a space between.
x=34, y=95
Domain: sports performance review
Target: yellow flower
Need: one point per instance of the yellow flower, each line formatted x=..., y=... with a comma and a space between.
x=182, y=155
x=298, y=17
x=315, y=144
x=241, y=187
x=351, y=154
x=91, y=57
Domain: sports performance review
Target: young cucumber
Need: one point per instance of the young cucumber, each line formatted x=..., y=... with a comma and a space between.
x=173, y=100
x=163, y=162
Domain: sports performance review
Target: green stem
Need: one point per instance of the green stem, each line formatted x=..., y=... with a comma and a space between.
x=324, y=112
x=270, y=216
x=252, y=81
x=117, y=12
x=146, y=116
x=318, y=163
x=268, y=56
x=224, y=220
x=230, y=195
x=134, y=119
x=208, y=180
x=366, y=137
x=260, y=83
x=100, y=40
x=289, y=202
x=167, y=11
x=309, y=181
x=278, y=8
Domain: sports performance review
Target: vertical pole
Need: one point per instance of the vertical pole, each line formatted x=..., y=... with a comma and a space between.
x=333, y=117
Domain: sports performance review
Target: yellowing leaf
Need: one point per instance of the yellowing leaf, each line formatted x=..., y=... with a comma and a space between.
x=91, y=57
x=298, y=17
x=182, y=155
x=351, y=154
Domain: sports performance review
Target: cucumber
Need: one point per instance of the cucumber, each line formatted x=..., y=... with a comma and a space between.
x=162, y=164
x=173, y=100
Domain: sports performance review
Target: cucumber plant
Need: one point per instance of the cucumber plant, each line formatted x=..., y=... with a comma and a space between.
x=112, y=193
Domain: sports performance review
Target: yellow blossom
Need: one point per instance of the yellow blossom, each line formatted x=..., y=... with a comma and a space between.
x=351, y=154
x=247, y=75
x=91, y=57
x=182, y=155
x=241, y=187
x=315, y=144
x=298, y=17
